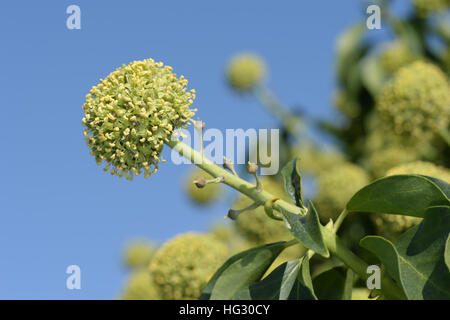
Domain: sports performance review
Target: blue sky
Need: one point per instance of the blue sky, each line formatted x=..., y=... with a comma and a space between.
x=57, y=207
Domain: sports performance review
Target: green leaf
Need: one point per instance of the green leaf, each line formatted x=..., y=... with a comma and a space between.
x=334, y=284
x=409, y=195
x=291, y=280
x=417, y=260
x=293, y=182
x=241, y=270
x=306, y=228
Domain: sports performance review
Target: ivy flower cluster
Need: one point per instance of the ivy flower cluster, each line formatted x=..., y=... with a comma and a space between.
x=131, y=113
x=245, y=71
x=182, y=266
x=416, y=102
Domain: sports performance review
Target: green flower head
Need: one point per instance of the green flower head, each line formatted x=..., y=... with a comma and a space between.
x=427, y=7
x=396, y=55
x=336, y=186
x=184, y=265
x=421, y=167
x=139, y=253
x=415, y=103
x=245, y=71
x=205, y=195
x=140, y=286
x=131, y=113
x=383, y=160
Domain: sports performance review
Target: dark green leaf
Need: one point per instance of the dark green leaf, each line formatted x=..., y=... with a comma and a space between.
x=306, y=228
x=290, y=280
x=241, y=270
x=293, y=182
x=409, y=195
x=417, y=260
x=334, y=284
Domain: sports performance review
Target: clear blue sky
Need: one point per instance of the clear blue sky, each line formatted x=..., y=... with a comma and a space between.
x=57, y=207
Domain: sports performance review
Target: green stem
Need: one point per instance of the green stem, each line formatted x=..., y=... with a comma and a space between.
x=290, y=121
x=359, y=266
x=334, y=245
x=339, y=220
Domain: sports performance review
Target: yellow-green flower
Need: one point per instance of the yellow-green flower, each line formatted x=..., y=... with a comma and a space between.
x=140, y=286
x=396, y=55
x=346, y=105
x=427, y=7
x=245, y=71
x=139, y=253
x=416, y=102
x=384, y=159
x=130, y=114
x=205, y=195
x=336, y=186
x=184, y=265
x=314, y=160
x=422, y=167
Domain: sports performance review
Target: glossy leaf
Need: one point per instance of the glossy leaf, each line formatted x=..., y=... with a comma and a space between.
x=291, y=280
x=417, y=260
x=241, y=270
x=334, y=284
x=293, y=182
x=409, y=195
x=306, y=228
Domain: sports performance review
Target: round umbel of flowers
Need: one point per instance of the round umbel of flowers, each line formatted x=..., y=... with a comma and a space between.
x=139, y=253
x=336, y=186
x=396, y=55
x=245, y=71
x=131, y=113
x=183, y=266
x=202, y=196
x=416, y=101
x=140, y=286
x=426, y=7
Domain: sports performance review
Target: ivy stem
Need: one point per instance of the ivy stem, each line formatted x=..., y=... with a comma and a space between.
x=359, y=266
x=291, y=122
x=339, y=220
x=332, y=242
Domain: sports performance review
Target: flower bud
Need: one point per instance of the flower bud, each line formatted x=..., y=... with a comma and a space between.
x=252, y=168
x=200, y=182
